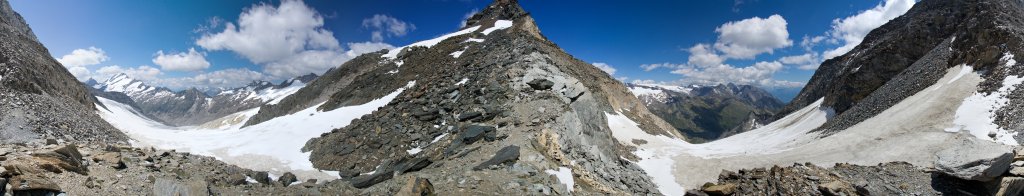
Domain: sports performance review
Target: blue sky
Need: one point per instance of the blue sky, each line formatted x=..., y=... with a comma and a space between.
x=185, y=43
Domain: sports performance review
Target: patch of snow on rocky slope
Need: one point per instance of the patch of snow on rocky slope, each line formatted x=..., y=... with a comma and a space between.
x=976, y=114
x=273, y=145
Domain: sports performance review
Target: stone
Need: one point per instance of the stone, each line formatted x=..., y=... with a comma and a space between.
x=33, y=184
x=540, y=189
x=168, y=186
x=474, y=133
x=411, y=165
x=287, y=179
x=51, y=141
x=837, y=188
x=262, y=177
x=66, y=157
x=1011, y=186
x=540, y=84
x=235, y=179
x=973, y=166
x=1017, y=171
x=695, y=192
x=417, y=186
x=720, y=189
x=508, y=154
x=469, y=116
x=112, y=159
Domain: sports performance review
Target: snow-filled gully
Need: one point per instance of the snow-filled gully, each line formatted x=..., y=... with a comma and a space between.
x=272, y=146
x=913, y=131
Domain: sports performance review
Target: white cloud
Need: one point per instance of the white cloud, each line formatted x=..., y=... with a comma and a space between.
x=851, y=30
x=809, y=42
x=758, y=74
x=387, y=25
x=701, y=54
x=288, y=40
x=184, y=61
x=747, y=38
x=605, y=67
x=144, y=72
x=83, y=57
x=227, y=78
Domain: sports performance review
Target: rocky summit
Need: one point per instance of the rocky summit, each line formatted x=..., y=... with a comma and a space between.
x=928, y=103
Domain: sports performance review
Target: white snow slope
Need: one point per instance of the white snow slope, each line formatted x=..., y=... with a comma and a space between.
x=913, y=130
x=272, y=146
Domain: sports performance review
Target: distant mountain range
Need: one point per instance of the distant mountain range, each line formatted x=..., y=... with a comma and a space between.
x=193, y=106
x=705, y=113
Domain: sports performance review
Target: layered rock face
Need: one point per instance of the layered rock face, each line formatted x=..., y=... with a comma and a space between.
x=38, y=97
x=707, y=113
x=913, y=51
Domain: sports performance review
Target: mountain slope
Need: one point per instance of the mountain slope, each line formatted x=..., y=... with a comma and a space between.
x=193, y=106
x=38, y=97
x=706, y=113
x=901, y=57
x=495, y=86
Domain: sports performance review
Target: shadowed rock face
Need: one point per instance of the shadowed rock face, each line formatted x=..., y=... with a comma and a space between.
x=911, y=52
x=38, y=97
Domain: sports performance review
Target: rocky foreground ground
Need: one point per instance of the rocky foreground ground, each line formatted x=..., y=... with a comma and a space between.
x=1003, y=175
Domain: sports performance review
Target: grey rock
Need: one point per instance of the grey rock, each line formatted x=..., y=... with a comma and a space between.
x=469, y=116
x=287, y=179
x=1011, y=186
x=540, y=84
x=508, y=154
x=261, y=177
x=171, y=187
x=971, y=164
x=474, y=133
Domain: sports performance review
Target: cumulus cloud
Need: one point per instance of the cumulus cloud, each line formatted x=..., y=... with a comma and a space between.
x=83, y=57
x=144, y=72
x=747, y=38
x=851, y=30
x=605, y=67
x=649, y=67
x=701, y=54
x=808, y=61
x=280, y=38
x=227, y=78
x=184, y=61
x=384, y=25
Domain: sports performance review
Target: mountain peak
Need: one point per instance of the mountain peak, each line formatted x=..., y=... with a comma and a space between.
x=498, y=10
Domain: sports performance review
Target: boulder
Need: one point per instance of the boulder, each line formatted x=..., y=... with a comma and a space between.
x=837, y=188
x=974, y=161
x=721, y=189
x=235, y=179
x=474, y=133
x=112, y=159
x=262, y=177
x=469, y=116
x=287, y=179
x=384, y=172
x=33, y=184
x=66, y=157
x=540, y=84
x=1011, y=186
x=411, y=165
x=169, y=187
x=508, y=154
x=416, y=186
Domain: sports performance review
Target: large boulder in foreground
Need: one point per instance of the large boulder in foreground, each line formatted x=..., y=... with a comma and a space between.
x=975, y=160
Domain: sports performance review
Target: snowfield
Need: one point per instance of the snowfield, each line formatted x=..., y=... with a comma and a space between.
x=272, y=146
x=914, y=131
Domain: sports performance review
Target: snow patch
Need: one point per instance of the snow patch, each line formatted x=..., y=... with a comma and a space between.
x=415, y=150
x=246, y=147
x=463, y=81
x=1008, y=58
x=456, y=54
x=564, y=175
x=498, y=25
x=976, y=114
x=656, y=164
x=393, y=53
x=475, y=40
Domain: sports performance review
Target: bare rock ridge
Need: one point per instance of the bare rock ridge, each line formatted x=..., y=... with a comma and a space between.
x=38, y=97
x=901, y=57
